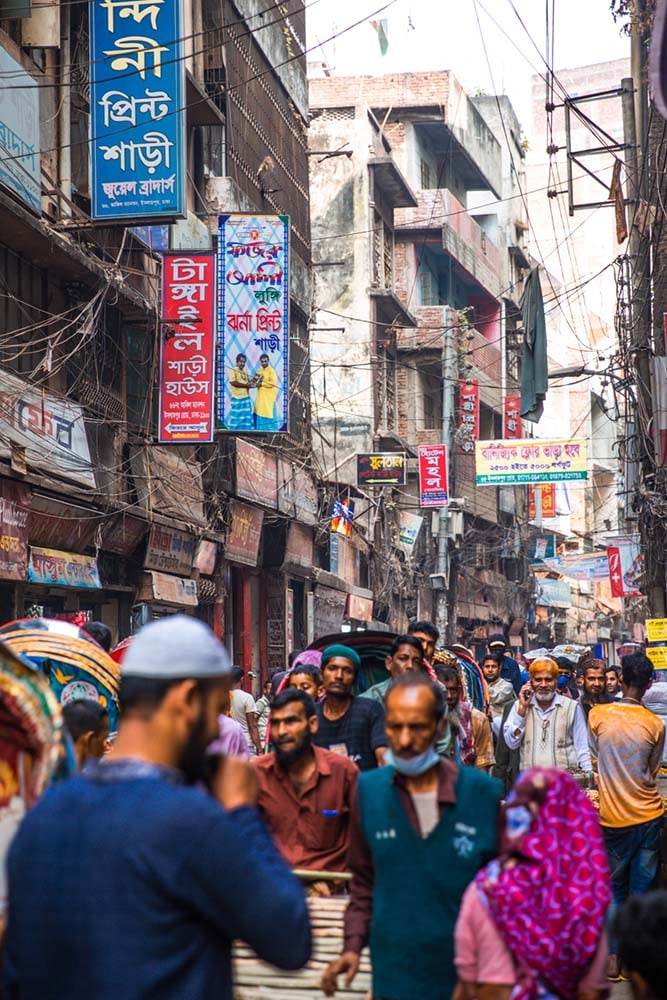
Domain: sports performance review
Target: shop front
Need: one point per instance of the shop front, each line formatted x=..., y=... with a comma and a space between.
x=61, y=584
x=243, y=627
x=329, y=606
x=14, y=513
x=297, y=569
x=166, y=586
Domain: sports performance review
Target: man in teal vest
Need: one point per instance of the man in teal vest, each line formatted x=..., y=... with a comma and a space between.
x=421, y=828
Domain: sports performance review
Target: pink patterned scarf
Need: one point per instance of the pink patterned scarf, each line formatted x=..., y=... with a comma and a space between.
x=549, y=890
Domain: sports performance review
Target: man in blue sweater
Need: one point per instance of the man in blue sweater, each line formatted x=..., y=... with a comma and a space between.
x=420, y=829
x=130, y=881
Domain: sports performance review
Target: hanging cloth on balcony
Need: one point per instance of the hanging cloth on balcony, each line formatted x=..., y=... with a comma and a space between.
x=534, y=354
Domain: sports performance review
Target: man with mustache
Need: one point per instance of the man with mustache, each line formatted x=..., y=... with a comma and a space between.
x=348, y=725
x=305, y=791
x=421, y=829
x=595, y=689
x=550, y=730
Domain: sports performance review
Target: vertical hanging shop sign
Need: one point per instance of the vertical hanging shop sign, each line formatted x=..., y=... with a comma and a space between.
x=512, y=417
x=187, y=347
x=626, y=566
x=137, y=120
x=253, y=324
x=548, y=495
x=433, y=491
x=468, y=431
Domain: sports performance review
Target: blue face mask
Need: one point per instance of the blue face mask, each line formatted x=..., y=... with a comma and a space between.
x=562, y=681
x=412, y=767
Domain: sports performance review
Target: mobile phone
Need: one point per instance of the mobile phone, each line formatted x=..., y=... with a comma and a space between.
x=527, y=695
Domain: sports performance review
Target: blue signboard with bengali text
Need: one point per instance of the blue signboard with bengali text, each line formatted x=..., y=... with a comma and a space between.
x=137, y=113
x=20, y=169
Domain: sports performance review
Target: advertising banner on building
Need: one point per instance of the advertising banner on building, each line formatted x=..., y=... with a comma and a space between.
x=14, y=511
x=626, y=564
x=409, y=528
x=20, y=167
x=256, y=474
x=542, y=548
x=580, y=565
x=170, y=550
x=381, y=469
x=137, y=119
x=512, y=417
x=547, y=492
x=51, y=430
x=433, y=490
x=656, y=629
x=359, y=608
x=187, y=348
x=253, y=324
x=552, y=593
x=297, y=492
x=63, y=569
x=527, y=460
x=468, y=430
x=342, y=517
x=244, y=533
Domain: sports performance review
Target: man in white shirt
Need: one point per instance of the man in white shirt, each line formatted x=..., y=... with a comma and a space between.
x=548, y=729
x=244, y=711
x=501, y=692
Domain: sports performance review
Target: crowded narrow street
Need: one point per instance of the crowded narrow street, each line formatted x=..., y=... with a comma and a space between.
x=333, y=530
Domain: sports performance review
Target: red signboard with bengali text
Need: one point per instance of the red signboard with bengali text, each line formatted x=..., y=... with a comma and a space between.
x=433, y=490
x=548, y=494
x=512, y=417
x=468, y=431
x=187, y=347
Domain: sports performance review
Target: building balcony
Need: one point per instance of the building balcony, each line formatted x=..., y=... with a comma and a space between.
x=486, y=361
x=390, y=181
x=439, y=212
x=426, y=333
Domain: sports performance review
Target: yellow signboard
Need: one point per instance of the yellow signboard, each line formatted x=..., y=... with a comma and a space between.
x=656, y=629
x=530, y=460
x=658, y=656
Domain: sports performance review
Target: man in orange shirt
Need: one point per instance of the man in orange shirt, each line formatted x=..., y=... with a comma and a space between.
x=305, y=791
x=628, y=742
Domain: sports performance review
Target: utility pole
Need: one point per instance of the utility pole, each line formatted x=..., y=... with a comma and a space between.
x=640, y=340
x=448, y=382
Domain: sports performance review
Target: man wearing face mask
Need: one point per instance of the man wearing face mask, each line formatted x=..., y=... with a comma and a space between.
x=549, y=730
x=421, y=827
x=160, y=877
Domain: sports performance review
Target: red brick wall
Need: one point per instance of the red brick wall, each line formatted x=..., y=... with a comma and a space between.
x=395, y=90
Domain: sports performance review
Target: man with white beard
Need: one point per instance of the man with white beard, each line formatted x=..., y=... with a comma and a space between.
x=550, y=730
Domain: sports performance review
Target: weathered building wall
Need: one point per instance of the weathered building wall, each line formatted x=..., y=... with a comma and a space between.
x=341, y=343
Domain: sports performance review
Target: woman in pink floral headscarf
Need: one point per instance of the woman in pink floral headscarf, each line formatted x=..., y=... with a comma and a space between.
x=531, y=925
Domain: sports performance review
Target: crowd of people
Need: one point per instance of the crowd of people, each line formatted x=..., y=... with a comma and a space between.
x=494, y=852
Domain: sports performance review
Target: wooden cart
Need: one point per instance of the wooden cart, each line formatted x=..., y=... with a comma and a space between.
x=255, y=980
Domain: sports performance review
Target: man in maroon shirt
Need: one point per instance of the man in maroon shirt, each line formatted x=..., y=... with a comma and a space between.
x=305, y=791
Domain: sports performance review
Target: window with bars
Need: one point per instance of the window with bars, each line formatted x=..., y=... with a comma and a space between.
x=383, y=254
x=386, y=389
x=425, y=175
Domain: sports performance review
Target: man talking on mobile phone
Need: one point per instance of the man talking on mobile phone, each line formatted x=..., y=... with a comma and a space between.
x=548, y=729
x=130, y=880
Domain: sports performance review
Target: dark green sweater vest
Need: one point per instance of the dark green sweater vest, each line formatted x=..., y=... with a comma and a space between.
x=418, y=884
